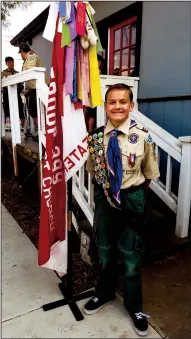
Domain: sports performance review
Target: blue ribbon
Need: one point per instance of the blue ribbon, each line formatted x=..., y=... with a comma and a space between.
x=74, y=98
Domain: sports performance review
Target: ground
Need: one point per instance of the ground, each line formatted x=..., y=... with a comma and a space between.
x=166, y=284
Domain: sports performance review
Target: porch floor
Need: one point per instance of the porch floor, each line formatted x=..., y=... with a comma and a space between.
x=28, y=149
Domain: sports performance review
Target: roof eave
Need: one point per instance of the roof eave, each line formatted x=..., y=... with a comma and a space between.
x=33, y=28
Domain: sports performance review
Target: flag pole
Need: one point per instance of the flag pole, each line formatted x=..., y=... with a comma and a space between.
x=66, y=286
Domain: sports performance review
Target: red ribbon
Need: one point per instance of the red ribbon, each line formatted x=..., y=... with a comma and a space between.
x=81, y=19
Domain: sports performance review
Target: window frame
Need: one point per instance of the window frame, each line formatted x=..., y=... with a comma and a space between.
x=112, y=49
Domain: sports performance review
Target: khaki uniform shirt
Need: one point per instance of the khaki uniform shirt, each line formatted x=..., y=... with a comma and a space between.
x=136, y=141
x=33, y=60
x=6, y=73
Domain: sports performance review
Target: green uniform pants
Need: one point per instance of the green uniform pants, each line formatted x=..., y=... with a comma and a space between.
x=120, y=234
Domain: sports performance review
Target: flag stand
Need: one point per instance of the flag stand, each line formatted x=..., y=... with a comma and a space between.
x=66, y=284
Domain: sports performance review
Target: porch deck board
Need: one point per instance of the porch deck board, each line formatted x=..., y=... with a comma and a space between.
x=28, y=149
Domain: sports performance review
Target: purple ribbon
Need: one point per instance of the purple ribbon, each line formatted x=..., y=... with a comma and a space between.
x=72, y=23
x=69, y=68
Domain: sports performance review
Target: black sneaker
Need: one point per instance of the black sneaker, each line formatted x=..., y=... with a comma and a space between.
x=95, y=304
x=140, y=323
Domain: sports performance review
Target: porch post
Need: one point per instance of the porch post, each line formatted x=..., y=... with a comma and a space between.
x=184, y=191
x=2, y=118
x=15, y=123
x=40, y=82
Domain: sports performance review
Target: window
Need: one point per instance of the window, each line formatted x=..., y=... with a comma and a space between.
x=122, y=48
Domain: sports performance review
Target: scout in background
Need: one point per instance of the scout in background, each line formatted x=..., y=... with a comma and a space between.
x=10, y=70
x=31, y=59
x=123, y=161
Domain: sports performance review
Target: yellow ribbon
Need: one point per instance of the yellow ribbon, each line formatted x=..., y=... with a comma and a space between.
x=79, y=82
x=95, y=85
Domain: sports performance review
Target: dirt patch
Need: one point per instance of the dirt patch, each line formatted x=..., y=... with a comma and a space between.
x=22, y=207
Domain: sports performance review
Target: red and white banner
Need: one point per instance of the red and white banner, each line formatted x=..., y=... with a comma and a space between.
x=66, y=152
x=52, y=249
x=75, y=138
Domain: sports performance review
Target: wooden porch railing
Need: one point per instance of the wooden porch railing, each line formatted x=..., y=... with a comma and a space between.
x=178, y=149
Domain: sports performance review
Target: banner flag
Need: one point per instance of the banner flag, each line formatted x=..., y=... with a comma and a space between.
x=74, y=82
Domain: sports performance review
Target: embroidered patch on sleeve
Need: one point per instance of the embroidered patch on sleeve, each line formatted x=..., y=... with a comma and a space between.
x=149, y=140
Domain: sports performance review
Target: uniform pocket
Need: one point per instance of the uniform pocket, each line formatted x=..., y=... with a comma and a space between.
x=135, y=201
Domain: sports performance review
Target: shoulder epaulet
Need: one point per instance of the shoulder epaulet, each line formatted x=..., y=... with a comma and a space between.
x=132, y=123
x=97, y=130
x=142, y=128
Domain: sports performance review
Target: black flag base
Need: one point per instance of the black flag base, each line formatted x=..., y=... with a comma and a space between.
x=70, y=301
x=66, y=286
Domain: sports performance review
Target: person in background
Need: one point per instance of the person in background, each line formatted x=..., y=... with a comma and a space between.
x=10, y=70
x=31, y=59
x=90, y=113
x=123, y=163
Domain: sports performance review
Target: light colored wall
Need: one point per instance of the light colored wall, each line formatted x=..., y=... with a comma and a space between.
x=104, y=9
x=43, y=48
x=165, y=64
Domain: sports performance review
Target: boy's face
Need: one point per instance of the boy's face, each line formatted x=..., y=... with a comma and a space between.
x=10, y=64
x=118, y=106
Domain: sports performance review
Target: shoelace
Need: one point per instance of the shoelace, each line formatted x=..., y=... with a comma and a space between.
x=140, y=315
x=95, y=299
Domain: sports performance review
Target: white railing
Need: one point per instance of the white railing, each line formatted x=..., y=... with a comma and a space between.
x=36, y=73
x=178, y=149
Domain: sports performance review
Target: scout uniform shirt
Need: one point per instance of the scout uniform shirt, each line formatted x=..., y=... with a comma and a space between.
x=7, y=72
x=33, y=60
x=139, y=161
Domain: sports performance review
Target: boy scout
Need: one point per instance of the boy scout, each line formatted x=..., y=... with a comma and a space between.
x=31, y=59
x=123, y=161
x=10, y=70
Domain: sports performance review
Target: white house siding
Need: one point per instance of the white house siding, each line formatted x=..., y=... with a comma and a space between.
x=165, y=63
x=43, y=48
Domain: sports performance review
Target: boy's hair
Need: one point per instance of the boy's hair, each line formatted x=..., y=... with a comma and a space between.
x=8, y=59
x=122, y=87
